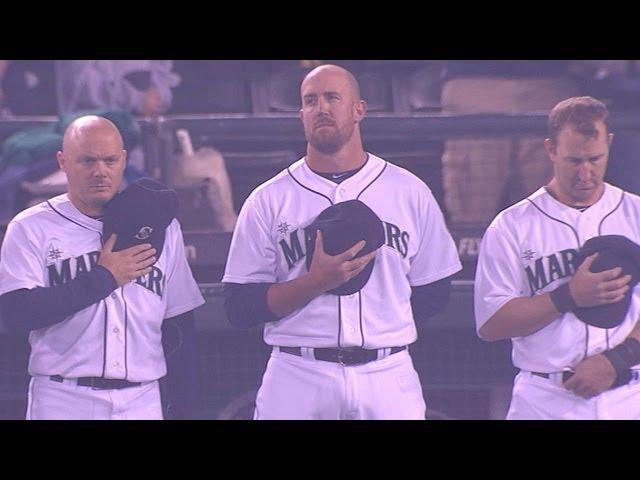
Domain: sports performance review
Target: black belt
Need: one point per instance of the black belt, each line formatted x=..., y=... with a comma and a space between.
x=566, y=375
x=99, y=383
x=344, y=356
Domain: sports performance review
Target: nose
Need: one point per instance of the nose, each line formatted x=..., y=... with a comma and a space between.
x=100, y=169
x=585, y=172
x=323, y=105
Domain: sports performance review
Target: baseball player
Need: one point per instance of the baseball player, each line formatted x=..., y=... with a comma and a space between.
x=338, y=356
x=95, y=315
x=528, y=287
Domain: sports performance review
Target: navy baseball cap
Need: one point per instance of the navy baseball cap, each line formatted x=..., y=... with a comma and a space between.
x=343, y=225
x=140, y=214
x=613, y=251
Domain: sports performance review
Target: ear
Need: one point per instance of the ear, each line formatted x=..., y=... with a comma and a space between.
x=610, y=139
x=60, y=158
x=359, y=110
x=124, y=157
x=301, y=115
x=549, y=147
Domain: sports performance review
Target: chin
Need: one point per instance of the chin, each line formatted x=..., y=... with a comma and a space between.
x=100, y=198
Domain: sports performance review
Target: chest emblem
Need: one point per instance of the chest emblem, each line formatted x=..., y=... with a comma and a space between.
x=283, y=228
x=144, y=232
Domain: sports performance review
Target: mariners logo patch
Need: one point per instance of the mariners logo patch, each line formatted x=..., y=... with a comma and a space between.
x=528, y=254
x=54, y=253
x=144, y=233
x=283, y=228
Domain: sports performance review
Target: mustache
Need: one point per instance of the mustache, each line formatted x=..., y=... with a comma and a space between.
x=324, y=121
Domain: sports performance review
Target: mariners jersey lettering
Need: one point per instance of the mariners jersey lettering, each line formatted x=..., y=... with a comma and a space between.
x=530, y=249
x=270, y=244
x=120, y=336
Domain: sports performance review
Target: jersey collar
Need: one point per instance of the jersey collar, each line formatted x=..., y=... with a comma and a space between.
x=609, y=199
x=301, y=172
x=64, y=207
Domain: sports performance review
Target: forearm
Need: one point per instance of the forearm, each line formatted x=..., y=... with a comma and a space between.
x=179, y=342
x=520, y=317
x=285, y=298
x=431, y=299
x=246, y=304
x=40, y=307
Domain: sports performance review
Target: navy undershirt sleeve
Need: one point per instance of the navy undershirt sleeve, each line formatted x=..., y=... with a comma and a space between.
x=178, y=386
x=24, y=310
x=246, y=304
x=428, y=300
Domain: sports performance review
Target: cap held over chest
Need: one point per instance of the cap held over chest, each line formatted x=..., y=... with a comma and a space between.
x=613, y=251
x=140, y=214
x=343, y=225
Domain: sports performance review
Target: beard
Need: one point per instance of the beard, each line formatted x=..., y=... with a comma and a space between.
x=328, y=141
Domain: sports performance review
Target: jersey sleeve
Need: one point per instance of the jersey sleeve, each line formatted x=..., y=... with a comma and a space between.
x=252, y=255
x=498, y=278
x=21, y=263
x=437, y=256
x=181, y=289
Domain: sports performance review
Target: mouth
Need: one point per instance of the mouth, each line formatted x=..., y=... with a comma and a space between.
x=324, y=124
x=99, y=187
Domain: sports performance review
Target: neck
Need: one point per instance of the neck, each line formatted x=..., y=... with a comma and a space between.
x=350, y=157
x=88, y=210
x=557, y=193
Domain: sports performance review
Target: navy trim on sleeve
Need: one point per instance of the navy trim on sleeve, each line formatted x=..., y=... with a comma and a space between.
x=246, y=304
x=178, y=386
x=25, y=310
x=429, y=300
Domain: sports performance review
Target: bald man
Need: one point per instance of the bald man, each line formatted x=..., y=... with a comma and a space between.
x=338, y=356
x=94, y=316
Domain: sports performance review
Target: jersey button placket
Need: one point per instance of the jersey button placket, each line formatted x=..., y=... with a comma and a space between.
x=350, y=318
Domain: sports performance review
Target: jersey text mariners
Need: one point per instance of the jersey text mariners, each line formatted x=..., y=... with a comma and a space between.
x=529, y=249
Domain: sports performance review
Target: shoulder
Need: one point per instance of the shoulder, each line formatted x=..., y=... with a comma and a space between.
x=629, y=197
x=277, y=185
x=515, y=214
x=31, y=216
x=398, y=175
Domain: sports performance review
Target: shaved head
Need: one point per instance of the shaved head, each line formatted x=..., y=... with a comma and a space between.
x=354, y=86
x=88, y=126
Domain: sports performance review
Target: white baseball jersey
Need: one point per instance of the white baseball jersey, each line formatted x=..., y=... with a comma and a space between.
x=269, y=245
x=118, y=337
x=529, y=249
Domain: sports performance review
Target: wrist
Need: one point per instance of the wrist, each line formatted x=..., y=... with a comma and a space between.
x=314, y=285
x=562, y=298
x=622, y=358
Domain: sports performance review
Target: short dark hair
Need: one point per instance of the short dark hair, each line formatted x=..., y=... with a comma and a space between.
x=581, y=112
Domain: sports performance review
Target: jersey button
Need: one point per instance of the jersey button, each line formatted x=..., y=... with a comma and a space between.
x=116, y=330
x=113, y=295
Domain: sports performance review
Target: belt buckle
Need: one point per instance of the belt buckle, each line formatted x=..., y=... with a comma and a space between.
x=93, y=384
x=346, y=357
x=341, y=357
